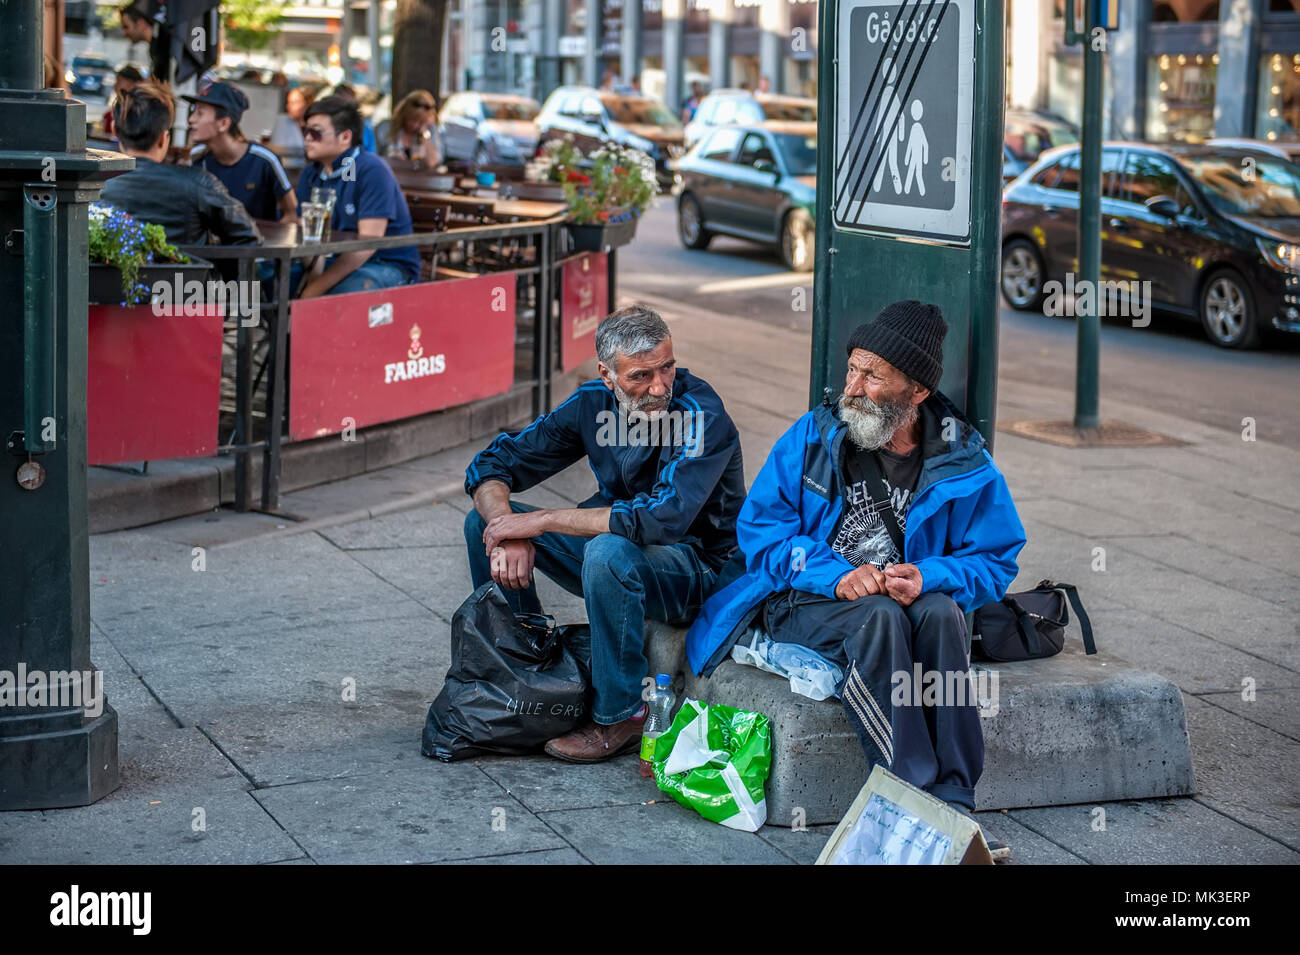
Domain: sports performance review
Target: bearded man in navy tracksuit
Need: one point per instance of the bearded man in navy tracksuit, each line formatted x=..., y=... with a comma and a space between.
x=873, y=525
x=649, y=544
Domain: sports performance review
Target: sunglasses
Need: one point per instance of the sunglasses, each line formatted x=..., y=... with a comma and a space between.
x=313, y=133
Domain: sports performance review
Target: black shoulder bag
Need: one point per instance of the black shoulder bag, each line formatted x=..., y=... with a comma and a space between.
x=1029, y=625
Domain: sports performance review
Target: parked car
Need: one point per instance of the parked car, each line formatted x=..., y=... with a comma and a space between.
x=489, y=127
x=91, y=75
x=730, y=107
x=1284, y=150
x=1026, y=134
x=1216, y=242
x=756, y=182
x=595, y=117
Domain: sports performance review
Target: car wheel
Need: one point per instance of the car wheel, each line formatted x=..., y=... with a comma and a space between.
x=690, y=224
x=797, y=241
x=1227, y=313
x=1022, y=275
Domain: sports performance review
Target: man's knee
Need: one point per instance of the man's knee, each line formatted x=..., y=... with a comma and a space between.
x=937, y=621
x=879, y=609
x=609, y=556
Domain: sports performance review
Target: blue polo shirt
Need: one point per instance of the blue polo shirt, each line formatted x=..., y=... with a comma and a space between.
x=371, y=192
x=258, y=180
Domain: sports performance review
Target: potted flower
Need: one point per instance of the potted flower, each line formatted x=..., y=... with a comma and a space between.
x=544, y=175
x=127, y=256
x=606, y=191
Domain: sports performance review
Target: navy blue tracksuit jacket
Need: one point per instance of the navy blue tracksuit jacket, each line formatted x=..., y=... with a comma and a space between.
x=687, y=489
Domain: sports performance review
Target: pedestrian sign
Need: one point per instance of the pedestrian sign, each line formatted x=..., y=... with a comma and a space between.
x=903, y=118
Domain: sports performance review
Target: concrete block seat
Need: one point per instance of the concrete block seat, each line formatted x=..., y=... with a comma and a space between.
x=1066, y=730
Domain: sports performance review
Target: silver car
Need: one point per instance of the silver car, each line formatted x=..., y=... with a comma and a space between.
x=489, y=127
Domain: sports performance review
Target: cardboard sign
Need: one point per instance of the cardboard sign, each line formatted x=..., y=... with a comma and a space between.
x=153, y=384
x=894, y=823
x=584, y=283
x=369, y=357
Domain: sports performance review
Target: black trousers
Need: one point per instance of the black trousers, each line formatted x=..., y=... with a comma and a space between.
x=893, y=657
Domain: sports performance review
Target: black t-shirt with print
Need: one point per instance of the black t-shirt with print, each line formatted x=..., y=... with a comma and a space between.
x=862, y=536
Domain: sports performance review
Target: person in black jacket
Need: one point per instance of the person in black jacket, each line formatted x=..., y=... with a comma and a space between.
x=187, y=201
x=139, y=26
x=652, y=542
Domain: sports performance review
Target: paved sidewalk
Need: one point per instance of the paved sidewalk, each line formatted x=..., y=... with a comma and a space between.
x=230, y=681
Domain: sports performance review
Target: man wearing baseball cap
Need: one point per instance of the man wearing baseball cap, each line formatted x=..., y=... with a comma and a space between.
x=249, y=171
x=876, y=522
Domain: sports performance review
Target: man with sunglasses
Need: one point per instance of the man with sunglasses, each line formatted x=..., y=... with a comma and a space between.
x=367, y=201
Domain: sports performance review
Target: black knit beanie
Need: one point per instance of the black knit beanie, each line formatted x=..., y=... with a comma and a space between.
x=909, y=335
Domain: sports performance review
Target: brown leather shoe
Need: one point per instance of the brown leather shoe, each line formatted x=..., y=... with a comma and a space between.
x=595, y=743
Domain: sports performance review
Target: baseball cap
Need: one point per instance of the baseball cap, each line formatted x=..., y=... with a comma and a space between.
x=228, y=97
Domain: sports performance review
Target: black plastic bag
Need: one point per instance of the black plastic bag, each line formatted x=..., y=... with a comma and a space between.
x=515, y=681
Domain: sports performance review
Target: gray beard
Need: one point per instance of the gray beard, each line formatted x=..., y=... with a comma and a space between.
x=872, y=426
x=634, y=410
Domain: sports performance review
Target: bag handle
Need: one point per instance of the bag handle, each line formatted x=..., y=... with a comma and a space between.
x=1072, y=595
x=1025, y=622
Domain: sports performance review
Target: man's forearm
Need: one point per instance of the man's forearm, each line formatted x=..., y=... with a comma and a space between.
x=578, y=521
x=492, y=499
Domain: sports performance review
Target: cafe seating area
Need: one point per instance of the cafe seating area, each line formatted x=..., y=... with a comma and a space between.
x=502, y=304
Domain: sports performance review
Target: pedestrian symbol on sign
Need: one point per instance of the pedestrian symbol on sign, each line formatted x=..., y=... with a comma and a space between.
x=903, y=108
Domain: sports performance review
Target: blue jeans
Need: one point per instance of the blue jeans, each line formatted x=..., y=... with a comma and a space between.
x=369, y=275
x=623, y=584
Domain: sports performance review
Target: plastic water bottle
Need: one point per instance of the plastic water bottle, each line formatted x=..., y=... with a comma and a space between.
x=658, y=717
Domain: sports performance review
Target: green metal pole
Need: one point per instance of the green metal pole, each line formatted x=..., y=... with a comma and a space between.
x=58, y=736
x=986, y=221
x=1086, y=413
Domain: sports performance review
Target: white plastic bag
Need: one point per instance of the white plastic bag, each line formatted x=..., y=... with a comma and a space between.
x=809, y=673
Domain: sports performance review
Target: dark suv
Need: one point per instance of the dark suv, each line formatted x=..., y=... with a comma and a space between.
x=595, y=117
x=1214, y=230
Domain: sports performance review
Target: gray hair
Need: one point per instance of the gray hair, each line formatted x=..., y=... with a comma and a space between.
x=629, y=331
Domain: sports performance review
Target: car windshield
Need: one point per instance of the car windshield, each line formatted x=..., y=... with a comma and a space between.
x=795, y=112
x=641, y=111
x=510, y=110
x=90, y=62
x=799, y=153
x=1268, y=187
x=1026, y=139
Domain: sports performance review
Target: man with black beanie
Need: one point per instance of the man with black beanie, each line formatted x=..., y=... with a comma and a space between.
x=876, y=522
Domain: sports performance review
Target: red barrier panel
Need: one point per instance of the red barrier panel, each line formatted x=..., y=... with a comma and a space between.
x=153, y=384
x=369, y=357
x=584, y=284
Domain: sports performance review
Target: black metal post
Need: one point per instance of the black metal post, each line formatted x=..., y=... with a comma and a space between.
x=58, y=736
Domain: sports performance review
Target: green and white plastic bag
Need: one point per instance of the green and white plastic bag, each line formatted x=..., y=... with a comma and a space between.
x=715, y=759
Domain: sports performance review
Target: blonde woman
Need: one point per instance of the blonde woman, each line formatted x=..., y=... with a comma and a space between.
x=412, y=132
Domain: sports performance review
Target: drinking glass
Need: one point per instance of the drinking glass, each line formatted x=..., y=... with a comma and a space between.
x=325, y=197
x=313, y=221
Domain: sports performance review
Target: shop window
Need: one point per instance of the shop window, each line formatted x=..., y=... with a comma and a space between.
x=1278, y=113
x=1180, y=96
